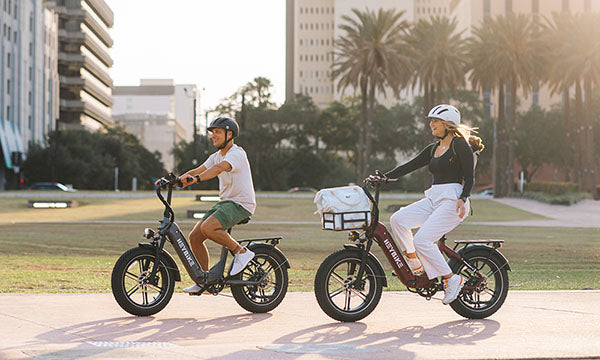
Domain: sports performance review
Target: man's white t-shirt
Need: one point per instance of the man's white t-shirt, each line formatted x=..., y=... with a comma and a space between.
x=236, y=184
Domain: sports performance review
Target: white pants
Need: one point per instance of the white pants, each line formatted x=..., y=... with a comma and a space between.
x=436, y=215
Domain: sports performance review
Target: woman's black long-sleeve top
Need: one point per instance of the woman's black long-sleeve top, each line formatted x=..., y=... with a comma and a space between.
x=454, y=166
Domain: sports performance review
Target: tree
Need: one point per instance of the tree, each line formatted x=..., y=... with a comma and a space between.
x=511, y=49
x=578, y=58
x=87, y=160
x=371, y=57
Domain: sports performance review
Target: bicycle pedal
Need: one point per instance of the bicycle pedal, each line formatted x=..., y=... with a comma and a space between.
x=393, y=273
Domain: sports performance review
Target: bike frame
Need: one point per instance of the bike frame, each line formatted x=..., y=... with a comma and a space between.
x=377, y=232
x=169, y=230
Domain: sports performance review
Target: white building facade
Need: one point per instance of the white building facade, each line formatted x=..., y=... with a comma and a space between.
x=29, y=87
x=156, y=101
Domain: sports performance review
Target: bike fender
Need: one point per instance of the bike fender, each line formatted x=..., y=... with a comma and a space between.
x=167, y=257
x=374, y=258
x=253, y=246
x=465, y=250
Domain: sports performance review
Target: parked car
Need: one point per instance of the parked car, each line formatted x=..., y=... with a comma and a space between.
x=489, y=191
x=52, y=186
x=302, y=189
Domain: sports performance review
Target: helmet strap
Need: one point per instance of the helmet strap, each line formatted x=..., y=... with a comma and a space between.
x=225, y=142
x=443, y=137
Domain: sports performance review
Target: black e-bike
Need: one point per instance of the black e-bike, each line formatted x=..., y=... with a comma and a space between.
x=143, y=279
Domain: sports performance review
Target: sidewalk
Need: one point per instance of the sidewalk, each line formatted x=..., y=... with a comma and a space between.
x=531, y=324
x=584, y=214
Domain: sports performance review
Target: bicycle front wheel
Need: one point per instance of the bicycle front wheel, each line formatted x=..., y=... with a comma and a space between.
x=339, y=292
x=130, y=285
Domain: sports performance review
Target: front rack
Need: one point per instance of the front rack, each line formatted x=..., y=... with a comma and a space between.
x=349, y=220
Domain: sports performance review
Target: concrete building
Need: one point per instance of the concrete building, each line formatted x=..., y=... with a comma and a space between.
x=84, y=62
x=28, y=79
x=156, y=132
x=161, y=99
x=313, y=25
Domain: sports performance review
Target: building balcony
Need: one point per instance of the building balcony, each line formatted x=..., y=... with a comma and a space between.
x=97, y=50
x=70, y=59
x=71, y=36
x=75, y=84
x=98, y=72
x=102, y=10
x=98, y=29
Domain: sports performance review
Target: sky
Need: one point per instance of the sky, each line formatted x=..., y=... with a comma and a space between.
x=219, y=45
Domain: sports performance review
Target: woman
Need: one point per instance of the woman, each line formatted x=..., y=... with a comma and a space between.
x=446, y=203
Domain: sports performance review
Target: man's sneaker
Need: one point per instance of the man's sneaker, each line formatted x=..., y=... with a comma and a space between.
x=415, y=266
x=452, y=287
x=240, y=260
x=193, y=289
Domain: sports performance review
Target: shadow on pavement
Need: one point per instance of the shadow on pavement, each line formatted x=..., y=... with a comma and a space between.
x=353, y=338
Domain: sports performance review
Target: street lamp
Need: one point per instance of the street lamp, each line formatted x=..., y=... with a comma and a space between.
x=193, y=93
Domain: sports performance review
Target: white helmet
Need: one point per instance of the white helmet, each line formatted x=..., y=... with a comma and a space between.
x=446, y=113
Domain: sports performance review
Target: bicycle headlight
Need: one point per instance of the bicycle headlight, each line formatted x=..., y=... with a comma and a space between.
x=149, y=233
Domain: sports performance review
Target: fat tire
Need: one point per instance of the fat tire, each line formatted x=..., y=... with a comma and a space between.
x=322, y=281
x=496, y=263
x=243, y=298
x=120, y=292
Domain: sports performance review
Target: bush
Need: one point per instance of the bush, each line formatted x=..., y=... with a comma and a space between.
x=560, y=199
x=552, y=187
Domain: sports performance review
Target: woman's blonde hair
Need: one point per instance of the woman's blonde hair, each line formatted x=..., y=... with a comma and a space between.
x=465, y=132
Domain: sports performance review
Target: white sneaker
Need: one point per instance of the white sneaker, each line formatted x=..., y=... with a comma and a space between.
x=415, y=266
x=240, y=261
x=193, y=289
x=452, y=287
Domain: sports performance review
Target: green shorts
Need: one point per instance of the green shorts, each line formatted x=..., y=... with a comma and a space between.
x=228, y=212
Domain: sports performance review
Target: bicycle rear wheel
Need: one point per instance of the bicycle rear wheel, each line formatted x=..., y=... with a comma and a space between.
x=271, y=269
x=487, y=298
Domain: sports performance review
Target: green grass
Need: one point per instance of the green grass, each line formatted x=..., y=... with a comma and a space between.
x=42, y=254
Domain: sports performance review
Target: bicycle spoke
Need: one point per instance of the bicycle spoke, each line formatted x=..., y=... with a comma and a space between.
x=359, y=294
x=132, y=290
x=336, y=292
x=347, y=302
x=131, y=276
x=337, y=277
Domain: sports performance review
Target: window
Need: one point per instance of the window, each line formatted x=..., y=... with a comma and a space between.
x=311, y=58
x=300, y=42
x=8, y=86
x=9, y=31
x=300, y=73
x=322, y=42
x=300, y=26
x=300, y=10
x=30, y=49
x=8, y=60
x=29, y=98
x=311, y=10
x=300, y=58
x=30, y=73
x=8, y=113
x=311, y=42
x=29, y=123
x=311, y=26
x=328, y=10
x=15, y=37
x=327, y=42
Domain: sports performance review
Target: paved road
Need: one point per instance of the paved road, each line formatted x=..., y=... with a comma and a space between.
x=531, y=324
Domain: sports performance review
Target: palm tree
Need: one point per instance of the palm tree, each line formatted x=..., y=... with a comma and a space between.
x=371, y=57
x=440, y=60
x=514, y=54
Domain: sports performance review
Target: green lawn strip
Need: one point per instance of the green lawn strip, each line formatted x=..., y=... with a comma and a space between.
x=268, y=209
x=65, y=258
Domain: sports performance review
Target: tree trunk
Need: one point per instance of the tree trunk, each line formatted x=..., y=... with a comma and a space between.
x=568, y=146
x=577, y=138
x=368, y=133
x=360, y=149
x=500, y=152
x=512, y=134
x=427, y=138
x=589, y=181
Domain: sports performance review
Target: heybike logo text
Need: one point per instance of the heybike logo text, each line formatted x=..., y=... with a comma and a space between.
x=185, y=251
x=393, y=252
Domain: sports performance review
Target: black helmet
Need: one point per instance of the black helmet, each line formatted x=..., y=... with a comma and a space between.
x=225, y=123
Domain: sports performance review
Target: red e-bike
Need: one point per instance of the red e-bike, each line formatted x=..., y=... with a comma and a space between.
x=349, y=282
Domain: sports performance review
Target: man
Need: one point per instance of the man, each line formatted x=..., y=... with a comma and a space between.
x=236, y=193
